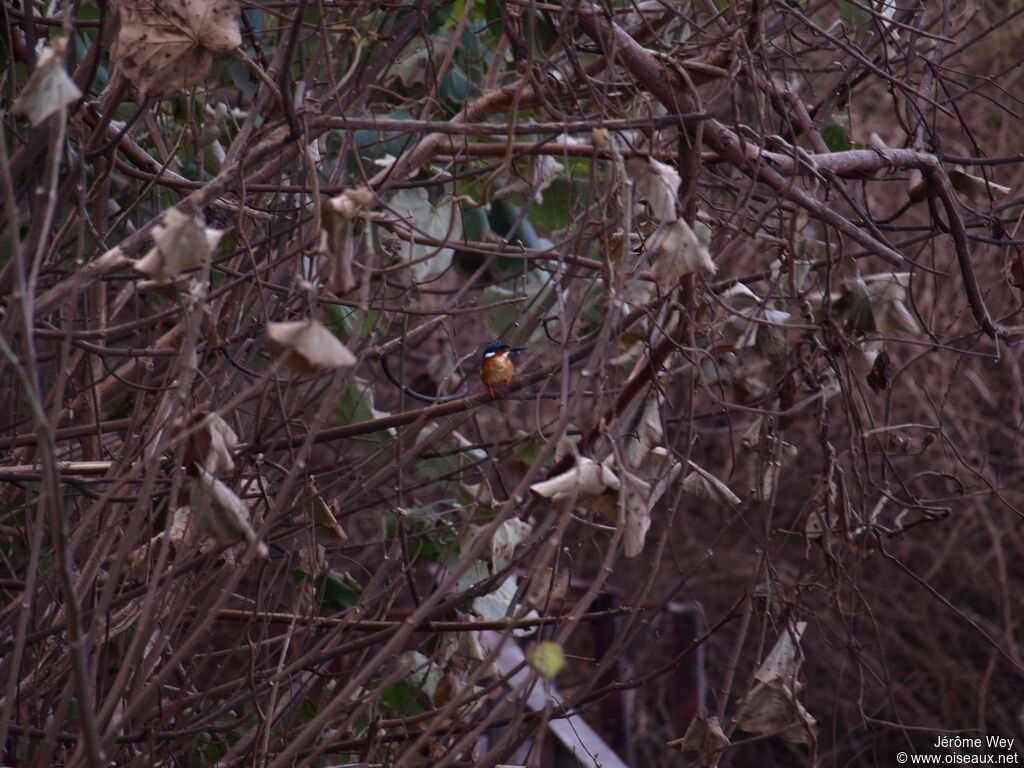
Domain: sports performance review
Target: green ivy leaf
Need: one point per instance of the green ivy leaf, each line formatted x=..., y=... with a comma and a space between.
x=835, y=136
x=437, y=221
x=429, y=534
x=356, y=405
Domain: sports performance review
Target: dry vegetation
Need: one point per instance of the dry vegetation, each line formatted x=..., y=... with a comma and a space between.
x=761, y=459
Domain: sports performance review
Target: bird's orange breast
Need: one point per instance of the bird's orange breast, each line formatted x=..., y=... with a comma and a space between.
x=497, y=370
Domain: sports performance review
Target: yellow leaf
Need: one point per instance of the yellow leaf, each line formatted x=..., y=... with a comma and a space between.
x=546, y=657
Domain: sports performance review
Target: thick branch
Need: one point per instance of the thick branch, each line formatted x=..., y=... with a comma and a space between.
x=773, y=170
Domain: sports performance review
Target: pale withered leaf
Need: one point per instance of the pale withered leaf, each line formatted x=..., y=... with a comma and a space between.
x=50, y=88
x=676, y=251
x=658, y=183
x=704, y=485
x=306, y=346
x=181, y=243
x=705, y=735
x=212, y=443
x=587, y=478
x=222, y=513
x=976, y=189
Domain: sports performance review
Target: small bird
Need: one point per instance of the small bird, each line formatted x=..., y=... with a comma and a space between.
x=497, y=368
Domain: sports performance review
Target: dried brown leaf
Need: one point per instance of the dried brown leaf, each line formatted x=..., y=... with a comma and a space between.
x=658, y=183
x=212, y=443
x=307, y=347
x=165, y=45
x=320, y=513
x=976, y=189
x=546, y=585
x=705, y=735
x=337, y=216
x=587, y=478
x=677, y=251
x=704, y=485
x=222, y=513
x=776, y=711
x=50, y=88
x=181, y=243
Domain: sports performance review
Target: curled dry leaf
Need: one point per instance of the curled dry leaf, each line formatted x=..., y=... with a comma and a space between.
x=313, y=563
x=643, y=13
x=141, y=560
x=181, y=243
x=677, y=250
x=769, y=446
x=588, y=478
x=164, y=45
x=320, y=513
x=704, y=485
x=469, y=647
x=212, y=443
x=658, y=183
x=349, y=204
x=503, y=543
x=772, y=706
x=783, y=662
x=768, y=455
x=976, y=189
x=879, y=378
x=222, y=514
x=637, y=502
x=169, y=289
x=337, y=216
x=641, y=493
x=864, y=355
x=306, y=346
x=545, y=170
x=50, y=88
x=546, y=585
x=643, y=432
x=1013, y=270
x=448, y=690
x=496, y=605
x=776, y=711
x=887, y=292
x=831, y=515
x=705, y=735
x=742, y=299
x=509, y=535
x=753, y=324
x=613, y=491
x=919, y=187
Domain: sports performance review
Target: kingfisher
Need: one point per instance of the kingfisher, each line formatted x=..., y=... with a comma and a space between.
x=497, y=368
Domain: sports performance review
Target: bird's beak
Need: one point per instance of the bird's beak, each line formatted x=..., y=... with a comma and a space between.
x=516, y=349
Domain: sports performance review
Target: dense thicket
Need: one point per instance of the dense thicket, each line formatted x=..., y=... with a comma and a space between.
x=759, y=461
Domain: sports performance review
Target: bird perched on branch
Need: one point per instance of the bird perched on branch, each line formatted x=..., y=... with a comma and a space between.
x=497, y=368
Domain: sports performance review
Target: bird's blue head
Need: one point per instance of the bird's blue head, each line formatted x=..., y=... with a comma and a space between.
x=500, y=347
